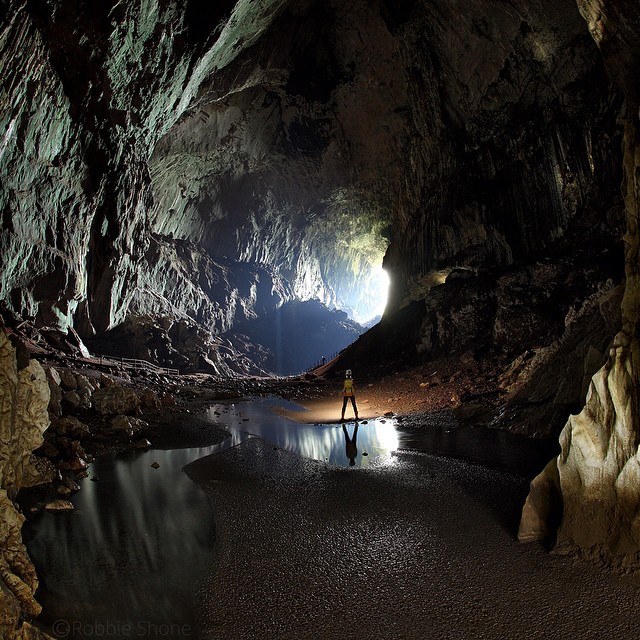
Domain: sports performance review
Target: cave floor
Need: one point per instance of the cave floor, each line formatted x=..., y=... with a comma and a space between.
x=419, y=547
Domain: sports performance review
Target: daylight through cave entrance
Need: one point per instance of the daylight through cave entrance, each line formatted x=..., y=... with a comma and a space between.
x=375, y=293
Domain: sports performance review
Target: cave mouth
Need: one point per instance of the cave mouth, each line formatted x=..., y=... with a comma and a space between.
x=374, y=295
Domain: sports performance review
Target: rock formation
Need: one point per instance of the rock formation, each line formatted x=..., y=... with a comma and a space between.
x=595, y=481
x=204, y=146
x=24, y=397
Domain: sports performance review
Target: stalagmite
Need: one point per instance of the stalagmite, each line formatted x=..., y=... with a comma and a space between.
x=599, y=465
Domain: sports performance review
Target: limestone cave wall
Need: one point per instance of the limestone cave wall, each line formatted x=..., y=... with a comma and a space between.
x=347, y=129
x=87, y=91
x=587, y=499
x=24, y=397
x=306, y=137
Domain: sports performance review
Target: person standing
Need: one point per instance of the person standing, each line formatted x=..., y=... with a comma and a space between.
x=348, y=393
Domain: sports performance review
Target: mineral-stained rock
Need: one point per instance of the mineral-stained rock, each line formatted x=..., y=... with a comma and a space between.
x=70, y=484
x=150, y=400
x=74, y=463
x=72, y=401
x=543, y=506
x=70, y=426
x=106, y=381
x=599, y=465
x=69, y=381
x=84, y=385
x=597, y=473
x=55, y=391
x=24, y=397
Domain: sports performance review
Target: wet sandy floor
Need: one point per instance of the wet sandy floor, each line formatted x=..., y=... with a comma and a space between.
x=417, y=547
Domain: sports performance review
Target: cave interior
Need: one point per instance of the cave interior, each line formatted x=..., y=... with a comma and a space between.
x=182, y=178
x=247, y=187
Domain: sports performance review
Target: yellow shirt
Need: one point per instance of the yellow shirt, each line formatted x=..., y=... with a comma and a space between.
x=348, y=387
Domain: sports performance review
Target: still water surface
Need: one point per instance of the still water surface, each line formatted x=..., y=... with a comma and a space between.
x=127, y=561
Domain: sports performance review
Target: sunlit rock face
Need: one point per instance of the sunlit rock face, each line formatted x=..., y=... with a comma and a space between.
x=290, y=154
x=348, y=126
x=86, y=91
x=596, y=478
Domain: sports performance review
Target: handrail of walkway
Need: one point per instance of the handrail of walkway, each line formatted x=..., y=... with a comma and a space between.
x=132, y=363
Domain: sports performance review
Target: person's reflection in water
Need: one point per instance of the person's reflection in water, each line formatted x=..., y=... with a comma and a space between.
x=350, y=444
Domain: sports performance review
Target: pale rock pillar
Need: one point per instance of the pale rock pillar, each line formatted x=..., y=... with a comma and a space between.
x=24, y=397
x=595, y=481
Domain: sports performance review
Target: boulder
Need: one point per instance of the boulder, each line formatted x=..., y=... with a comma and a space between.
x=127, y=427
x=73, y=401
x=116, y=399
x=71, y=426
x=69, y=381
x=85, y=387
x=150, y=401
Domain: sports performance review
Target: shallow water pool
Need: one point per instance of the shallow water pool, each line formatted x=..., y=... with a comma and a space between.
x=128, y=560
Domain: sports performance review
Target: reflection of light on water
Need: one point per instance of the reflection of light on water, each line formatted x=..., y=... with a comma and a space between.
x=134, y=546
x=326, y=442
x=386, y=437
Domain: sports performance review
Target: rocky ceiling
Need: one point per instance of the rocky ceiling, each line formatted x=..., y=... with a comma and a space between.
x=206, y=162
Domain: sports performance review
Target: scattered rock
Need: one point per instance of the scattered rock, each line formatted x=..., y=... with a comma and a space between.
x=116, y=399
x=76, y=463
x=168, y=400
x=70, y=484
x=71, y=426
x=128, y=425
x=84, y=385
x=150, y=401
x=58, y=506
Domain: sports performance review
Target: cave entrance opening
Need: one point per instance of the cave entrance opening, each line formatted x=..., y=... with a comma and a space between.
x=376, y=290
